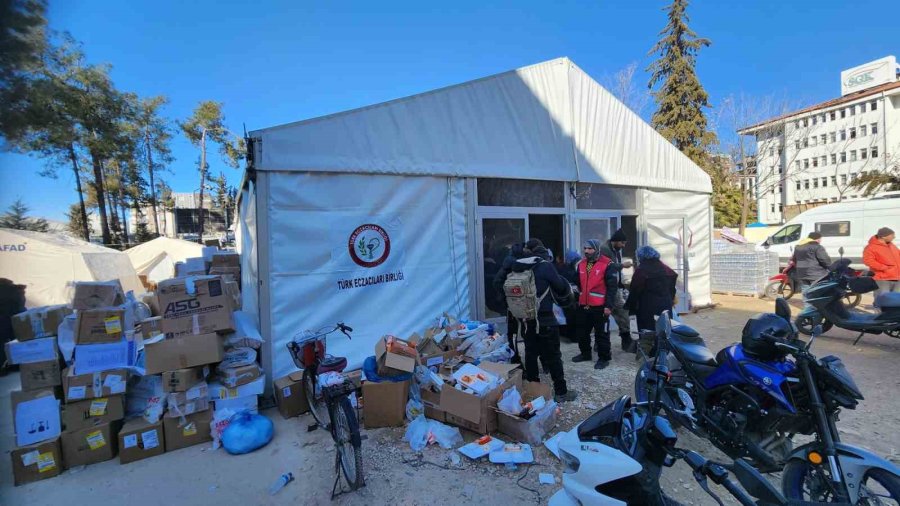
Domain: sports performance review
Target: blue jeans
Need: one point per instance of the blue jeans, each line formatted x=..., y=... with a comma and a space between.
x=804, y=287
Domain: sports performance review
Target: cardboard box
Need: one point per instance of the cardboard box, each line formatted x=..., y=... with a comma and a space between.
x=39, y=322
x=237, y=376
x=183, y=352
x=432, y=402
x=197, y=305
x=90, y=445
x=393, y=364
x=290, y=396
x=35, y=415
x=226, y=259
x=249, y=403
x=91, y=358
x=233, y=289
x=139, y=440
x=181, y=380
x=98, y=326
x=31, y=351
x=218, y=391
x=40, y=374
x=227, y=273
x=96, y=294
x=79, y=387
x=37, y=462
x=93, y=412
x=194, y=266
x=384, y=404
x=533, y=430
x=193, y=400
x=477, y=413
x=151, y=327
x=188, y=431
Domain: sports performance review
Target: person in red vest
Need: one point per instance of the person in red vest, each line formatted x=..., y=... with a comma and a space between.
x=883, y=258
x=597, y=278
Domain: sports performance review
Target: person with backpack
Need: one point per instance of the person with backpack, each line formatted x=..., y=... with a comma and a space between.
x=530, y=289
x=597, y=285
x=613, y=249
x=516, y=252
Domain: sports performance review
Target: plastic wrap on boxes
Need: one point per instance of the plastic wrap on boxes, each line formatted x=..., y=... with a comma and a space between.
x=740, y=270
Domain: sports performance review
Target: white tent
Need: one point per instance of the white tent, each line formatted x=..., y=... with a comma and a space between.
x=156, y=259
x=386, y=216
x=48, y=263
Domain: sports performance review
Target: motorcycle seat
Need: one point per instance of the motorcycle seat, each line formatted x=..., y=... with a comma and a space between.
x=692, y=346
x=888, y=300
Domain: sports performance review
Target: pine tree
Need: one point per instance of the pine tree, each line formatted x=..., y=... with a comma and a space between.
x=17, y=218
x=680, y=98
x=76, y=226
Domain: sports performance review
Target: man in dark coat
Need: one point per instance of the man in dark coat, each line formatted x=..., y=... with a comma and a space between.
x=613, y=249
x=652, y=289
x=542, y=335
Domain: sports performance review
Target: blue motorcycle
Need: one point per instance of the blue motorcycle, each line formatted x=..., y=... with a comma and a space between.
x=752, y=398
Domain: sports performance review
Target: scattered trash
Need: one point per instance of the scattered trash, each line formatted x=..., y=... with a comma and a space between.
x=552, y=444
x=421, y=432
x=511, y=467
x=279, y=484
x=481, y=447
x=511, y=401
x=475, y=380
x=455, y=461
x=414, y=409
x=547, y=479
x=512, y=453
x=247, y=432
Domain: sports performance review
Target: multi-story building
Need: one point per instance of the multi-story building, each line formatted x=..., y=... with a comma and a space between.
x=813, y=156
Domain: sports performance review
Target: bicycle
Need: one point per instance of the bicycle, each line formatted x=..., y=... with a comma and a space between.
x=308, y=350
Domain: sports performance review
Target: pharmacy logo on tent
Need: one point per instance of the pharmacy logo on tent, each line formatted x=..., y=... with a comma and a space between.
x=370, y=245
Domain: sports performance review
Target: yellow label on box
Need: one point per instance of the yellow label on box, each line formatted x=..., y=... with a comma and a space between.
x=189, y=429
x=46, y=462
x=95, y=440
x=113, y=325
x=98, y=406
x=232, y=393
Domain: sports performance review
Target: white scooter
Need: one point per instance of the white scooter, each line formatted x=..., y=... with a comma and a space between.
x=616, y=456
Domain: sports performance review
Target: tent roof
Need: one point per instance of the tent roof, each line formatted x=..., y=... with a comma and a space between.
x=548, y=121
x=145, y=256
x=47, y=263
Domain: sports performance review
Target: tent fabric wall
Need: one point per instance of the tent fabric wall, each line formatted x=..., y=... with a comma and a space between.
x=148, y=257
x=314, y=281
x=548, y=121
x=695, y=241
x=246, y=244
x=48, y=263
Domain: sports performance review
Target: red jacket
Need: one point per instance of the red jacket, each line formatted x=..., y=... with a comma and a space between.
x=882, y=258
x=593, y=284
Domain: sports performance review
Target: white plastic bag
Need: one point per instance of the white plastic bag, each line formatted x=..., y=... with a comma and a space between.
x=445, y=435
x=238, y=357
x=65, y=337
x=426, y=378
x=503, y=355
x=511, y=401
x=541, y=423
x=414, y=409
x=417, y=433
x=330, y=378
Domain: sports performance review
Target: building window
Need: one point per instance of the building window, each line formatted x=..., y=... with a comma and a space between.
x=815, y=183
x=852, y=110
x=862, y=107
x=812, y=141
x=833, y=180
x=843, y=156
x=852, y=155
x=843, y=113
x=805, y=142
x=833, y=115
x=798, y=164
x=843, y=179
x=834, y=229
x=797, y=145
x=852, y=132
x=874, y=128
x=833, y=158
x=805, y=122
x=862, y=130
x=773, y=208
x=806, y=184
x=815, y=119
x=780, y=208
x=843, y=135
x=833, y=137
x=798, y=185
x=771, y=151
x=780, y=150
x=824, y=182
x=873, y=105
x=806, y=163
x=797, y=124
x=874, y=151
x=822, y=138
x=863, y=153
x=815, y=162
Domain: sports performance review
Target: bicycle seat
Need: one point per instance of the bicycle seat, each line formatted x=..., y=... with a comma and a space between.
x=332, y=364
x=888, y=300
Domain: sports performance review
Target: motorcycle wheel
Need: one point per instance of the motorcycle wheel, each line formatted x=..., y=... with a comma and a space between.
x=801, y=482
x=775, y=289
x=852, y=299
x=805, y=325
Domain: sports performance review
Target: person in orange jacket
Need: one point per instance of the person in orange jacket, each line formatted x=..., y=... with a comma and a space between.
x=883, y=258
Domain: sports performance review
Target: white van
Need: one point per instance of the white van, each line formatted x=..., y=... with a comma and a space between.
x=846, y=224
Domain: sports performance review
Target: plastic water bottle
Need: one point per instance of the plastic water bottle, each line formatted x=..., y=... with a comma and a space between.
x=279, y=484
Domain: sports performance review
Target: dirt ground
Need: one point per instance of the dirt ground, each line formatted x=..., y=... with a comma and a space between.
x=397, y=476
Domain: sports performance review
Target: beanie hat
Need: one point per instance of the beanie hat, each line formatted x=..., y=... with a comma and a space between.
x=884, y=232
x=618, y=236
x=595, y=244
x=815, y=236
x=533, y=243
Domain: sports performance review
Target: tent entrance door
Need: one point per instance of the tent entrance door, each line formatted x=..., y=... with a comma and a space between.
x=670, y=236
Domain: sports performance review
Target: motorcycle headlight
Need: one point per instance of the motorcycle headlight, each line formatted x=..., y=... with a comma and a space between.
x=570, y=462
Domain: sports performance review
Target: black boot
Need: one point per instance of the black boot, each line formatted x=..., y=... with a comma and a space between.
x=627, y=343
x=581, y=357
x=601, y=364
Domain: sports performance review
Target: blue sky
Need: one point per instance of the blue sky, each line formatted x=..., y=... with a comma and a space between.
x=274, y=62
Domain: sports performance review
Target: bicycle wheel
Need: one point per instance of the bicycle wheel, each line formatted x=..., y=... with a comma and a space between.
x=348, y=441
x=316, y=402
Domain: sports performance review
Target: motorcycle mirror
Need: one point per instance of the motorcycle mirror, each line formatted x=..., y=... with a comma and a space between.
x=841, y=251
x=782, y=308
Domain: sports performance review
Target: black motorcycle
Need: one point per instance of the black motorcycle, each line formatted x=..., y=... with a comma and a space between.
x=826, y=296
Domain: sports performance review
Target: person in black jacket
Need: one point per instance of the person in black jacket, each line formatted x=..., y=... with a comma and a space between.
x=516, y=252
x=542, y=335
x=811, y=262
x=567, y=268
x=652, y=289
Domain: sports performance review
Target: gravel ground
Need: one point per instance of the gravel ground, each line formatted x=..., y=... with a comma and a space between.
x=397, y=476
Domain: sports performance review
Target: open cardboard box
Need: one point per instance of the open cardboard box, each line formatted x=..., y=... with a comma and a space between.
x=533, y=430
x=392, y=364
x=477, y=413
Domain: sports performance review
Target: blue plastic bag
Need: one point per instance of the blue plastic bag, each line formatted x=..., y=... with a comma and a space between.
x=370, y=368
x=247, y=432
